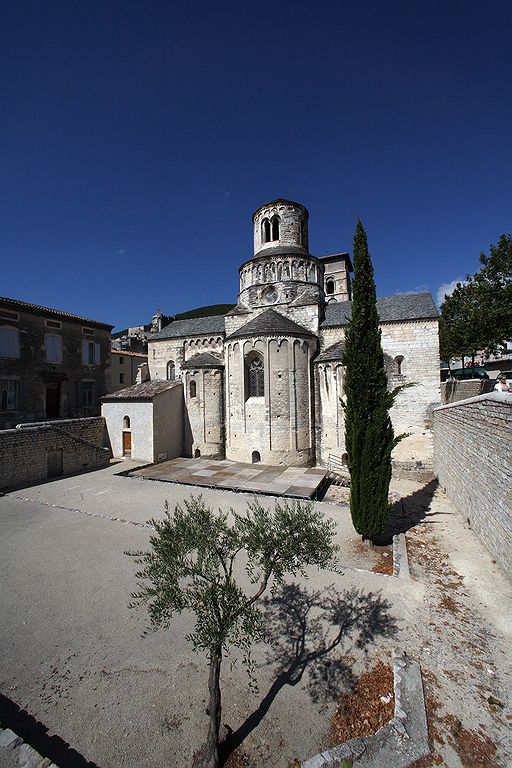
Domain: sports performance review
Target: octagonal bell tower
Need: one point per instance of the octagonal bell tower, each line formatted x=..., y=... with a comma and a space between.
x=281, y=224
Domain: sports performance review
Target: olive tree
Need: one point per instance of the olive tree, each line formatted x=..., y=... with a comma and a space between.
x=192, y=566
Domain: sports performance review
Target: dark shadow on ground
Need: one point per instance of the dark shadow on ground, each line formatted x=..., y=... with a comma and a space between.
x=304, y=630
x=411, y=510
x=35, y=734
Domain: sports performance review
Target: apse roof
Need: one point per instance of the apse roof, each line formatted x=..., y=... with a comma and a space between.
x=269, y=323
x=391, y=309
x=332, y=353
x=203, y=360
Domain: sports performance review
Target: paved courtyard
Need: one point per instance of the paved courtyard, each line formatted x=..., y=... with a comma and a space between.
x=298, y=482
x=71, y=652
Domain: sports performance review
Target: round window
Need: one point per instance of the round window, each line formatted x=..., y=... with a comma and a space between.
x=270, y=295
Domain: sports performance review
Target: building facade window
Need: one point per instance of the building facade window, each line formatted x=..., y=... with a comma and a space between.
x=91, y=354
x=121, y=360
x=192, y=389
x=255, y=375
x=329, y=287
x=171, y=371
x=88, y=394
x=53, y=344
x=126, y=422
x=398, y=361
x=121, y=378
x=265, y=231
x=9, y=342
x=8, y=395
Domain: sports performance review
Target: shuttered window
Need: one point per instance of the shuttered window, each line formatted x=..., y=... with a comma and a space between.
x=8, y=395
x=91, y=354
x=53, y=344
x=9, y=342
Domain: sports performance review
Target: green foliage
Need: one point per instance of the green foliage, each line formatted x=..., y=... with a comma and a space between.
x=476, y=317
x=369, y=436
x=209, y=311
x=191, y=566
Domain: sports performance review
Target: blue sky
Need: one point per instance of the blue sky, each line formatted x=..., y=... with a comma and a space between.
x=137, y=138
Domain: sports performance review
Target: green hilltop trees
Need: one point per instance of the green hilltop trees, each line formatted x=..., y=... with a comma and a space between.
x=477, y=316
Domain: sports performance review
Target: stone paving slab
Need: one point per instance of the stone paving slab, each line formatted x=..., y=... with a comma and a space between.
x=298, y=482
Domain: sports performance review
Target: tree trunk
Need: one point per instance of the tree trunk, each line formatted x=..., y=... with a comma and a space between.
x=214, y=708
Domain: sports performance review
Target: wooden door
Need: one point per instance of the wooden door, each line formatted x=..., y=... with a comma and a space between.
x=127, y=443
x=54, y=462
x=52, y=400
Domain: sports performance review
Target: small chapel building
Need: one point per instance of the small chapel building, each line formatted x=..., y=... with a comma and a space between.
x=264, y=382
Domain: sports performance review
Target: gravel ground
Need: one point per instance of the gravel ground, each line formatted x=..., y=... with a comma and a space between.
x=72, y=655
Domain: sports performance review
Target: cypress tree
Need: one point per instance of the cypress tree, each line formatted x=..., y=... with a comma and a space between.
x=369, y=434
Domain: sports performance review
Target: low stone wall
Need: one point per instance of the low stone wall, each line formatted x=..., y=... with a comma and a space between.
x=472, y=450
x=453, y=391
x=34, y=452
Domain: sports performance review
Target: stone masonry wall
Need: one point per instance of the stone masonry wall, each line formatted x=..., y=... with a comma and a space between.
x=472, y=461
x=27, y=453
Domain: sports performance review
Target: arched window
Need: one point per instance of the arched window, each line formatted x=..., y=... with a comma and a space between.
x=171, y=371
x=254, y=375
x=265, y=231
x=275, y=227
x=126, y=422
x=329, y=287
x=192, y=389
x=256, y=458
x=399, y=359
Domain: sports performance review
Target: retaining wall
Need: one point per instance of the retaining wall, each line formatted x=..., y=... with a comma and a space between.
x=34, y=452
x=472, y=452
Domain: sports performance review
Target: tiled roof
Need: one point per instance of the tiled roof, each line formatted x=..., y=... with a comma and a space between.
x=144, y=391
x=116, y=351
x=238, y=309
x=332, y=353
x=391, y=309
x=194, y=326
x=270, y=323
x=203, y=360
x=25, y=306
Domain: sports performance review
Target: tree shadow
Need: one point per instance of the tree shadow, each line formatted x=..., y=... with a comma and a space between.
x=35, y=733
x=303, y=631
x=411, y=510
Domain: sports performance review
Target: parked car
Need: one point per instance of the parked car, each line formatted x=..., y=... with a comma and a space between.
x=471, y=372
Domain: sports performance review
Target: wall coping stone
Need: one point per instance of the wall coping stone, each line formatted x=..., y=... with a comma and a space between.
x=495, y=397
x=399, y=742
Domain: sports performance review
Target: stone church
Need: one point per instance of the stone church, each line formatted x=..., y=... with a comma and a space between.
x=264, y=382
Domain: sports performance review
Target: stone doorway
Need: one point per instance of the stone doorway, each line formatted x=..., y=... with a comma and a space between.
x=127, y=444
x=52, y=394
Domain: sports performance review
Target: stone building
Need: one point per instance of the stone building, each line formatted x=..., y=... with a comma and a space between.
x=123, y=368
x=52, y=364
x=263, y=382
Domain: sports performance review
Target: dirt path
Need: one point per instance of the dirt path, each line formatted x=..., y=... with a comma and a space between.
x=461, y=634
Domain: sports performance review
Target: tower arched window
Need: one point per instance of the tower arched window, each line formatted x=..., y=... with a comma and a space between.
x=192, y=389
x=329, y=287
x=126, y=422
x=171, y=371
x=255, y=375
x=265, y=231
x=275, y=221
